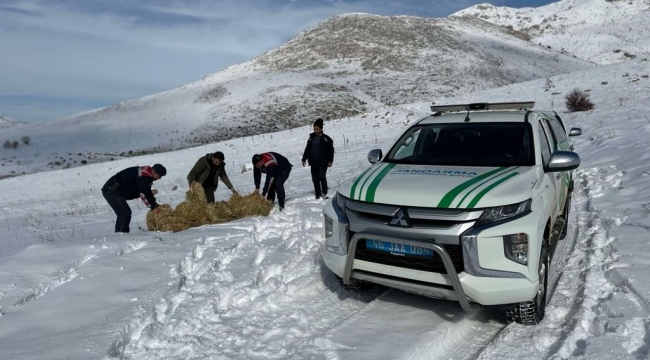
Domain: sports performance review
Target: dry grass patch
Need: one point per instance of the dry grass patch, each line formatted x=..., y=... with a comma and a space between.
x=195, y=211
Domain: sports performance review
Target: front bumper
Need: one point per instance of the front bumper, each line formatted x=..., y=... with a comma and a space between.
x=467, y=287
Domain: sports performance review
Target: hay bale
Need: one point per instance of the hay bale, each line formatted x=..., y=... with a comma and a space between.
x=220, y=212
x=196, y=194
x=174, y=224
x=193, y=212
x=249, y=205
x=154, y=220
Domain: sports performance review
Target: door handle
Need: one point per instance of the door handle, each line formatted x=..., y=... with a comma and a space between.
x=557, y=176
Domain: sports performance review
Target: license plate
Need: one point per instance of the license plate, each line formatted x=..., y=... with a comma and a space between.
x=397, y=249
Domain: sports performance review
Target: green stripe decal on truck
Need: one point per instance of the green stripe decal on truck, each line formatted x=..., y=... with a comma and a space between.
x=370, y=194
x=356, y=182
x=483, y=183
x=450, y=196
x=487, y=189
x=368, y=174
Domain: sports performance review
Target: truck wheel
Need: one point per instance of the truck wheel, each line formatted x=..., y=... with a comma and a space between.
x=532, y=312
x=357, y=286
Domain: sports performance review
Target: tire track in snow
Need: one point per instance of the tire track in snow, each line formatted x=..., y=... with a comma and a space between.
x=573, y=309
x=588, y=315
x=64, y=275
x=257, y=293
x=69, y=272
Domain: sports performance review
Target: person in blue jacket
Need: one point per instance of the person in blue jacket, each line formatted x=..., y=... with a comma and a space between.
x=277, y=169
x=128, y=184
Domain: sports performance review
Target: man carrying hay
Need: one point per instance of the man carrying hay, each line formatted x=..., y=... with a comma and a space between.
x=128, y=184
x=277, y=169
x=207, y=171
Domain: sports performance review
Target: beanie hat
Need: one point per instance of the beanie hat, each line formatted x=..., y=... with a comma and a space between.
x=256, y=159
x=319, y=123
x=160, y=170
x=218, y=155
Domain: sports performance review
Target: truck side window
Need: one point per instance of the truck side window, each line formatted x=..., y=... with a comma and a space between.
x=558, y=130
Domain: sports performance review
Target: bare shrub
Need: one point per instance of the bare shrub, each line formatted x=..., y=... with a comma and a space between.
x=6, y=144
x=578, y=100
x=25, y=140
x=14, y=144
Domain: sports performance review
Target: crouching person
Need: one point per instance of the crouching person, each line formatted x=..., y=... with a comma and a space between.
x=277, y=169
x=128, y=184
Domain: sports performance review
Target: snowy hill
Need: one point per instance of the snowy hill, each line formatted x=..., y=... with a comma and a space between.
x=345, y=66
x=602, y=31
x=7, y=122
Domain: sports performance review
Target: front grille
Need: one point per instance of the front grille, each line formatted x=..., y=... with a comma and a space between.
x=415, y=222
x=425, y=263
x=419, y=217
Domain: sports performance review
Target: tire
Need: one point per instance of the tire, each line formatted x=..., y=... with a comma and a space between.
x=565, y=216
x=356, y=286
x=532, y=312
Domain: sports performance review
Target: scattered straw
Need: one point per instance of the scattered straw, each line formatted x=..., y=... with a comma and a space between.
x=195, y=211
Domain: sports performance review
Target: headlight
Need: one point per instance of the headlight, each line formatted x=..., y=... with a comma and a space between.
x=503, y=212
x=340, y=201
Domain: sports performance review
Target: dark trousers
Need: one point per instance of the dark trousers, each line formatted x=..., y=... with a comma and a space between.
x=319, y=179
x=209, y=193
x=277, y=187
x=122, y=210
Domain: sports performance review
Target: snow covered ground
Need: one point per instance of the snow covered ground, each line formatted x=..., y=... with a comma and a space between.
x=256, y=288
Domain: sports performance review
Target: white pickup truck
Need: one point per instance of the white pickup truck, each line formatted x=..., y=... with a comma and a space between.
x=467, y=205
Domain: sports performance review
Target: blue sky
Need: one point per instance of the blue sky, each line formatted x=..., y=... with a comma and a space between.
x=61, y=57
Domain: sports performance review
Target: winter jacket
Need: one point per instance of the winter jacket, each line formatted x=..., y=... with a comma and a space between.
x=132, y=183
x=201, y=171
x=274, y=164
x=326, y=150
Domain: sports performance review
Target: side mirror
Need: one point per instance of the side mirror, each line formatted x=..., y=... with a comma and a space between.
x=563, y=161
x=374, y=156
x=575, y=132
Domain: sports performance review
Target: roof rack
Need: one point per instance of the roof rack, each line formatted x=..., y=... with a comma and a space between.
x=523, y=105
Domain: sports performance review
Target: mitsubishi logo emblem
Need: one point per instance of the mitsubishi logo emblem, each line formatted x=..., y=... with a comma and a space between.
x=400, y=218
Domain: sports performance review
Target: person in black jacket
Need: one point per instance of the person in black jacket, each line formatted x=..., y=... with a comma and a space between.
x=128, y=184
x=207, y=171
x=320, y=154
x=277, y=169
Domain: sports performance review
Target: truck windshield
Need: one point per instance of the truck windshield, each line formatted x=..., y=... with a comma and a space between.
x=463, y=144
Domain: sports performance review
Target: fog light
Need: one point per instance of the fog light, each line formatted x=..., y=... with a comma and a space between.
x=329, y=227
x=515, y=247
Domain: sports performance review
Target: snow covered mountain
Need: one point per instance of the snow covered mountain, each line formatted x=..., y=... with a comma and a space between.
x=602, y=31
x=6, y=122
x=346, y=66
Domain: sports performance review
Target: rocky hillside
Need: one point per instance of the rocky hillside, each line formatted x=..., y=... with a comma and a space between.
x=405, y=59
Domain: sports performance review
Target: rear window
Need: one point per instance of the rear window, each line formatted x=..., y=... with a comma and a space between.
x=463, y=144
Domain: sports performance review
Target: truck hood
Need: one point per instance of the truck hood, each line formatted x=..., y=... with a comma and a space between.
x=441, y=186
